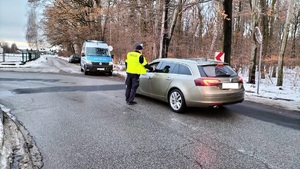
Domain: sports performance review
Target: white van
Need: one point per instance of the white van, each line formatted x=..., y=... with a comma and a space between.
x=96, y=57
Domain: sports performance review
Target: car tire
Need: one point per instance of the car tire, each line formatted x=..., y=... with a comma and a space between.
x=110, y=74
x=176, y=101
x=85, y=71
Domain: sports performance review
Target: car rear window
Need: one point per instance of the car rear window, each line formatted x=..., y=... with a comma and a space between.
x=216, y=71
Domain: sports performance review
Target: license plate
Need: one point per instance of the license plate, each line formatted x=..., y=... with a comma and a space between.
x=230, y=85
x=100, y=68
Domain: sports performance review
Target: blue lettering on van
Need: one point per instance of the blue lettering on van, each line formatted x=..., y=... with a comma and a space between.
x=99, y=58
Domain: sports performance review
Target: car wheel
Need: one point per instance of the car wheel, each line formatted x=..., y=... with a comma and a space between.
x=110, y=74
x=176, y=101
x=85, y=71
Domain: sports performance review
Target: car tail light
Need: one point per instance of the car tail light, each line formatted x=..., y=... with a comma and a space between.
x=241, y=79
x=207, y=82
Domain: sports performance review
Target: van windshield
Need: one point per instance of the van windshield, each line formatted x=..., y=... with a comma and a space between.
x=97, y=52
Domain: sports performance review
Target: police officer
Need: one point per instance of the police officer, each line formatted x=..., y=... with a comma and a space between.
x=136, y=64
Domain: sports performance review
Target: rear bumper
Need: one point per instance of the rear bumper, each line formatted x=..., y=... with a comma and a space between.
x=208, y=101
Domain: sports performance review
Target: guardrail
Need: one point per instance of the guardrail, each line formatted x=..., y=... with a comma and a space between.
x=23, y=57
x=30, y=55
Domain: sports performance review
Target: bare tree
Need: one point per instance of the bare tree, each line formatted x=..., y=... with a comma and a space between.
x=284, y=42
x=14, y=48
x=164, y=39
x=296, y=23
x=227, y=29
x=5, y=47
x=254, y=23
x=190, y=28
x=32, y=29
x=264, y=26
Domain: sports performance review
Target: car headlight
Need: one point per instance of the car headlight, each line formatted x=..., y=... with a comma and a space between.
x=111, y=63
x=88, y=62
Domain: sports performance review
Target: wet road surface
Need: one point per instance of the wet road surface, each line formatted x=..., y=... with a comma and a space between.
x=84, y=122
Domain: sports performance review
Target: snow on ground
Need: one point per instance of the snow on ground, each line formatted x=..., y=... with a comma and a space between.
x=287, y=96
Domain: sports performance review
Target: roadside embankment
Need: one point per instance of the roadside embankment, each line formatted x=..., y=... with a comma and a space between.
x=17, y=148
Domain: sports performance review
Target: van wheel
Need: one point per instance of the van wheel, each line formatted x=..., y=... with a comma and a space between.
x=176, y=101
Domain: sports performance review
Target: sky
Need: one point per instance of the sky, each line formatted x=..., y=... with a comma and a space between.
x=286, y=96
x=13, y=19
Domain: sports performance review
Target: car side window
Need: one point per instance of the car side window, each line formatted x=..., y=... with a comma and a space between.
x=176, y=69
x=160, y=67
x=165, y=67
x=154, y=65
x=184, y=70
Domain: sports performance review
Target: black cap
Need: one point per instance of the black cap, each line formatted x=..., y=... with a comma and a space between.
x=139, y=47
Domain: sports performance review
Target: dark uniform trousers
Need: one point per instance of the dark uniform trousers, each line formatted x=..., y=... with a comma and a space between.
x=132, y=83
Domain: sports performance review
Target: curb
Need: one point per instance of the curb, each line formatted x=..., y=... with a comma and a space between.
x=1, y=129
x=18, y=147
x=1, y=114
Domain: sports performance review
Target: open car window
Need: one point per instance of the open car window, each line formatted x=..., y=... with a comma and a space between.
x=154, y=65
x=166, y=67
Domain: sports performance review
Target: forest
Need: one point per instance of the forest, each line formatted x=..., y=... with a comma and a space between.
x=245, y=30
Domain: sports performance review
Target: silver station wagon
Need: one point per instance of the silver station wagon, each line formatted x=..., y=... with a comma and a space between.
x=193, y=82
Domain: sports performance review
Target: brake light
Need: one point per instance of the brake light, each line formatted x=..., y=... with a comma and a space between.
x=241, y=80
x=207, y=82
x=220, y=64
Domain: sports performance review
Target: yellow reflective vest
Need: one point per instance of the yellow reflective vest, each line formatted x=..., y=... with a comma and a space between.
x=133, y=63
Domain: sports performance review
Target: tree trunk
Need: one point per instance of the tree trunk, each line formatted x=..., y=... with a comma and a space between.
x=252, y=68
x=167, y=34
x=214, y=34
x=284, y=42
x=265, y=33
x=200, y=20
x=155, y=50
x=227, y=30
x=297, y=19
x=163, y=51
x=264, y=26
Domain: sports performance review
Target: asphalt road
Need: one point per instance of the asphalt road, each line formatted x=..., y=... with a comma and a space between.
x=82, y=121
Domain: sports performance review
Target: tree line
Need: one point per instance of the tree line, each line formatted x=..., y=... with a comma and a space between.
x=8, y=49
x=175, y=28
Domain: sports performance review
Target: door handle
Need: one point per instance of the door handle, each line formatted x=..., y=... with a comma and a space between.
x=168, y=78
